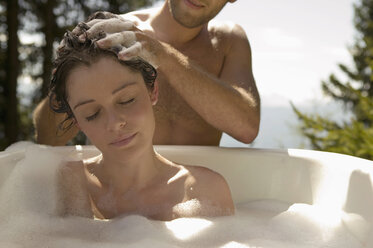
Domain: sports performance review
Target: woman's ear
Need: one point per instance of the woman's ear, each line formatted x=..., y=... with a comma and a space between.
x=154, y=94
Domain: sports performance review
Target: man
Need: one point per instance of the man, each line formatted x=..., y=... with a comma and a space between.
x=205, y=79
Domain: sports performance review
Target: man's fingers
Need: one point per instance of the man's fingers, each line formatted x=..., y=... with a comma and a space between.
x=125, y=38
x=138, y=50
x=93, y=22
x=130, y=52
x=79, y=28
x=112, y=25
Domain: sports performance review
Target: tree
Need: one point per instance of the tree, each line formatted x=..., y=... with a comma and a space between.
x=354, y=137
x=2, y=71
x=11, y=126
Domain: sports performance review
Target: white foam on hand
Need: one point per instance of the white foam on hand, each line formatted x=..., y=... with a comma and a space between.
x=109, y=26
x=124, y=39
x=121, y=33
x=130, y=46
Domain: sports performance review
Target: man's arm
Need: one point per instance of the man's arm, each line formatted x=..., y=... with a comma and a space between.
x=46, y=126
x=229, y=102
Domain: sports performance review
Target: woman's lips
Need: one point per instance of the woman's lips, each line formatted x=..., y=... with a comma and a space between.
x=123, y=140
x=193, y=4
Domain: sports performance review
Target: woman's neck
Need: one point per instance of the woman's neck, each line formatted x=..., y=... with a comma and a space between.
x=128, y=175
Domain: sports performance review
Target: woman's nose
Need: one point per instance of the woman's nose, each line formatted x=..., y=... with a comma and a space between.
x=116, y=121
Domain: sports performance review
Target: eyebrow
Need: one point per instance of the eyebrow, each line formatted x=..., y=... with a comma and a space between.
x=122, y=87
x=113, y=92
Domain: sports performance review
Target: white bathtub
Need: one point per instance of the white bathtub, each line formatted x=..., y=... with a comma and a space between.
x=330, y=181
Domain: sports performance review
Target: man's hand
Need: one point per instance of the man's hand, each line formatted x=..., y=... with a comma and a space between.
x=102, y=22
x=133, y=44
x=124, y=34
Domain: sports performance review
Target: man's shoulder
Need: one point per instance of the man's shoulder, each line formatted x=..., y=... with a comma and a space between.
x=139, y=16
x=230, y=35
x=226, y=29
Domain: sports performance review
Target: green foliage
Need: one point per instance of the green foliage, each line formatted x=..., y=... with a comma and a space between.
x=362, y=54
x=354, y=137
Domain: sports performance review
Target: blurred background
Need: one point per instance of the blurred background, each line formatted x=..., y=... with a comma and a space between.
x=312, y=61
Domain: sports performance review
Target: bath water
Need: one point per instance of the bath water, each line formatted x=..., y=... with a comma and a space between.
x=28, y=203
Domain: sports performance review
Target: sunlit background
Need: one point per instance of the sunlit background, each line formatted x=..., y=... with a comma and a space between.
x=295, y=45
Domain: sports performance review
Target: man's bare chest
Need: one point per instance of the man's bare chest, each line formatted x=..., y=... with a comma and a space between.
x=171, y=103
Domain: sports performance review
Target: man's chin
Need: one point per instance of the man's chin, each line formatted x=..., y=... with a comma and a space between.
x=188, y=23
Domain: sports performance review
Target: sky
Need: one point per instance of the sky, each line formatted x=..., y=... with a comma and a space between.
x=295, y=44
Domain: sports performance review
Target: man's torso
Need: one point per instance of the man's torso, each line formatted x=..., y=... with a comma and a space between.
x=176, y=121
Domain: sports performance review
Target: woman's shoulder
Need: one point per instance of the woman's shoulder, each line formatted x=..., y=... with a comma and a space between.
x=73, y=189
x=71, y=168
x=206, y=179
x=210, y=187
x=201, y=173
x=75, y=172
x=78, y=168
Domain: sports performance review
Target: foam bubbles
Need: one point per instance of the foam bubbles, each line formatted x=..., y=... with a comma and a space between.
x=185, y=228
x=188, y=208
x=29, y=204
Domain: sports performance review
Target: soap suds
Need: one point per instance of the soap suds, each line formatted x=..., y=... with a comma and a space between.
x=29, y=204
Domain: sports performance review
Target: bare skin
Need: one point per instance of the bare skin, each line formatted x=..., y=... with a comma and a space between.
x=173, y=191
x=205, y=80
x=129, y=177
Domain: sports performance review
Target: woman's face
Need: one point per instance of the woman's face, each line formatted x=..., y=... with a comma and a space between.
x=112, y=106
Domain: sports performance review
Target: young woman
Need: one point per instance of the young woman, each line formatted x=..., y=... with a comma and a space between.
x=111, y=102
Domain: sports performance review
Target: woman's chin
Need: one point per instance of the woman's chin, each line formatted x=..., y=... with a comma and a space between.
x=124, y=142
x=134, y=147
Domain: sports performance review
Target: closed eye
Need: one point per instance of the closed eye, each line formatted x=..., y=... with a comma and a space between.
x=127, y=102
x=92, y=117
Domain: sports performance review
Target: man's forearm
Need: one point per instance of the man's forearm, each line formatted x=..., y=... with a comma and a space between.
x=46, y=126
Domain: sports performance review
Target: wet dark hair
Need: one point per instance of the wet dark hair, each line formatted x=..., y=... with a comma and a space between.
x=73, y=53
